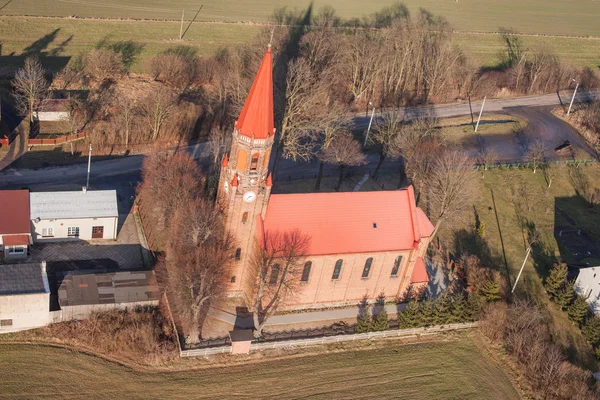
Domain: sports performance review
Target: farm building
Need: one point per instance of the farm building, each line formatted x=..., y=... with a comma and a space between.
x=587, y=285
x=24, y=297
x=53, y=110
x=84, y=291
x=15, y=236
x=60, y=216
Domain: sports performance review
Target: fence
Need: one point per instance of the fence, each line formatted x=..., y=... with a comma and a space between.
x=433, y=330
x=58, y=140
x=523, y=164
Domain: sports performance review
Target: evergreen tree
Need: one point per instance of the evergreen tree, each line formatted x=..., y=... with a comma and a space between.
x=458, y=308
x=364, y=320
x=556, y=280
x=427, y=313
x=591, y=330
x=380, y=322
x=490, y=290
x=597, y=353
x=578, y=310
x=410, y=317
x=442, y=309
x=565, y=295
x=472, y=308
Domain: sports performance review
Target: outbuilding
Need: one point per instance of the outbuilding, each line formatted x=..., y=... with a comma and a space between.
x=24, y=297
x=15, y=236
x=85, y=214
x=587, y=285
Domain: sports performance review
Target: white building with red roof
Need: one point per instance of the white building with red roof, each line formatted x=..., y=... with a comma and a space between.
x=361, y=243
x=15, y=230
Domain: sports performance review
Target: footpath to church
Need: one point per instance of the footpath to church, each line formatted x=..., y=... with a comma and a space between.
x=303, y=317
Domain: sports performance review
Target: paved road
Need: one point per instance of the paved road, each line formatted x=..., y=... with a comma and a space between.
x=74, y=175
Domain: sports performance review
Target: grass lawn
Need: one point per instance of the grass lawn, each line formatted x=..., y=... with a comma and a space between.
x=454, y=368
x=61, y=40
x=553, y=17
x=459, y=130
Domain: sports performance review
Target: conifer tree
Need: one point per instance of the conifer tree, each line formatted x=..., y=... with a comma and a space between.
x=380, y=322
x=578, y=310
x=442, y=310
x=490, y=290
x=364, y=320
x=410, y=317
x=556, y=280
x=591, y=330
x=565, y=296
x=427, y=313
x=472, y=308
x=458, y=308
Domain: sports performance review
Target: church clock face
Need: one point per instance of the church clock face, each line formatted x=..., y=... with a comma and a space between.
x=249, y=197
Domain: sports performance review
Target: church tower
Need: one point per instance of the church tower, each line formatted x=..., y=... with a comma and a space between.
x=245, y=182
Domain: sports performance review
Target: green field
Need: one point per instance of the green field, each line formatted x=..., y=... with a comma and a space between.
x=437, y=370
x=554, y=17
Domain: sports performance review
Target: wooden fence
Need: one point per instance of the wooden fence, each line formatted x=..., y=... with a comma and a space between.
x=280, y=344
x=58, y=140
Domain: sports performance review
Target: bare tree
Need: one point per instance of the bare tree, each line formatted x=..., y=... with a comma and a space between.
x=550, y=170
x=103, y=63
x=536, y=154
x=128, y=108
x=176, y=67
x=277, y=263
x=155, y=108
x=384, y=137
x=486, y=156
x=219, y=143
x=196, y=264
x=30, y=86
x=343, y=151
x=451, y=185
x=332, y=124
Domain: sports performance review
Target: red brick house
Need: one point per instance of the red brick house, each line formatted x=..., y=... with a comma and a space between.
x=15, y=229
x=361, y=243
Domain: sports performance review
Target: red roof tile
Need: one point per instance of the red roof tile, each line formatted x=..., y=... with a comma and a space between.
x=225, y=161
x=15, y=240
x=14, y=211
x=419, y=274
x=426, y=228
x=351, y=222
x=256, y=118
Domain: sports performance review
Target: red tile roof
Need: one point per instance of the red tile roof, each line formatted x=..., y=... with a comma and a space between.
x=15, y=240
x=14, y=211
x=353, y=222
x=419, y=274
x=256, y=118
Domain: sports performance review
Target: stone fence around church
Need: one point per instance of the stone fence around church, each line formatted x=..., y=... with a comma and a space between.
x=280, y=344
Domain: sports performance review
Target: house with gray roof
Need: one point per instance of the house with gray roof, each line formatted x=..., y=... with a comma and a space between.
x=24, y=297
x=73, y=215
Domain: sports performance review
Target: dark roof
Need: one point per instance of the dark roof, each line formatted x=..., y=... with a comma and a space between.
x=85, y=287
x=22, y=279
x=14, y=211
x=241, y=335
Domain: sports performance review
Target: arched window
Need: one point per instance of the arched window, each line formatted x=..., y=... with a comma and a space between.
x=238, y=253
x=306, y=272
x=337, y=270
x=367, y=268
x=396, y=268
x=233, y=279
x=254, y=162
x=274, y=274
x=245, y=217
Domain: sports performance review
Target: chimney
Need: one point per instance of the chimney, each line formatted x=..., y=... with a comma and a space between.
x=43, y=267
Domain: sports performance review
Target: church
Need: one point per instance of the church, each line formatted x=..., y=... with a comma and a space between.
x=361, y=243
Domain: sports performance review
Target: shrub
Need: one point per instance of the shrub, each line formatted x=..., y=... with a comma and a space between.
x=103, y=64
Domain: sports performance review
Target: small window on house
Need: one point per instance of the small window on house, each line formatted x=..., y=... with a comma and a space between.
x=48, y=232
x=375, y=225
x=337, y=270
x=233, y=279
x=245, y=217
x=238, y=254
x=367, y=268
x=274, y=274
x=73, y=231
x=396, y=268
x=254, y=162
x=5, y=322
x=15, y=250
x=306, y=272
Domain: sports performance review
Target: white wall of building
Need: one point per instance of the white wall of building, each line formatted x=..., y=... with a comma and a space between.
x=25, y=311
x=587, y=285
x=60, y=228
x=52, y=116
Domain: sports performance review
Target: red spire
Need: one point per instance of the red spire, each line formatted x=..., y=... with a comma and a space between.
x=269, y=180
x=234, y=182
x=256, y=119
x=225, y=161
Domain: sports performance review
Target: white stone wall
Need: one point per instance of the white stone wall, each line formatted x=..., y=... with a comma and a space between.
x=25, y=310
x=61, y=226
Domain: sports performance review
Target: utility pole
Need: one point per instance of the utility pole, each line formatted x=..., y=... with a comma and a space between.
x=87, y=184
x=181, y=26
x=573, y=98
x=370, y=123
x=480, y=112
x=521, y=271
